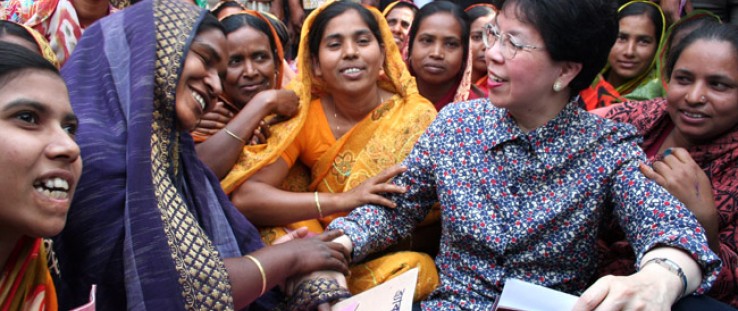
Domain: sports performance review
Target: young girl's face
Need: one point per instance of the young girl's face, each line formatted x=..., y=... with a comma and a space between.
x=438, y=51
x=40, y=159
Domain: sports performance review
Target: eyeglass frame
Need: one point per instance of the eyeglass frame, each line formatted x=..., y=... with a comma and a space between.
x=492, y=30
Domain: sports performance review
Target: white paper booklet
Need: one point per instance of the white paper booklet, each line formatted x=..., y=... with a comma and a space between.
x=519, y=295
x=393, y=295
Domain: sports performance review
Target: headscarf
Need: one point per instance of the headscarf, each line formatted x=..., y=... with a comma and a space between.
x=465, y=90
x=149, y=223
x=41, y=44
x=388, y=9
x=253, y=158
x=650, y=73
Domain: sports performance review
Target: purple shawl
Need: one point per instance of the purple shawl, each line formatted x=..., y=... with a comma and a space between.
x=149, y=223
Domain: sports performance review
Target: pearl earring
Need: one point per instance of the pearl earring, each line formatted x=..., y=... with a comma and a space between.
x=557, y=87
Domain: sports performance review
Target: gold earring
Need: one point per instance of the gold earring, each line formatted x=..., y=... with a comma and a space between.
x=557, y=87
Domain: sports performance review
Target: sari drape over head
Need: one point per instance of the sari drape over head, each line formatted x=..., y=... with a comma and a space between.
x=149, y=224
x=645, y=86
x=381, y=139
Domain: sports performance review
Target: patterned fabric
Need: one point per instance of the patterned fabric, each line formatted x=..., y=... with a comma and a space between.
x=600, y=94
x=149, y=223
x=525, y=205
x=719, y=159
x=311, y=293
x=25, y=282
x=57, y=20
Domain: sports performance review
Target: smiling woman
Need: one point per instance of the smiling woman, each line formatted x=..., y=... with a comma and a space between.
x=150, y=225
x=631, y=72
x=691, y=140
x=40, y=168
x=360, y=114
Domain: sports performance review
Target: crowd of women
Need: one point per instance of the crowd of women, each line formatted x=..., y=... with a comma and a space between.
x=177, y=159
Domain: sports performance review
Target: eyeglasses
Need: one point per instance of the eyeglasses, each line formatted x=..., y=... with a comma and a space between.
x=510, y=44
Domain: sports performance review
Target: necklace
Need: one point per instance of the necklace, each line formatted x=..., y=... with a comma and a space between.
x=353, y=122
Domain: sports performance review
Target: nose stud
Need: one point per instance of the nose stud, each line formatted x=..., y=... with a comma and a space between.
x=703, y=99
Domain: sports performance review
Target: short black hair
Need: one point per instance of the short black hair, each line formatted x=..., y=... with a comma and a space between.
x=15, y=59
x=710, y=31
x=573, y=30
x=332, y=11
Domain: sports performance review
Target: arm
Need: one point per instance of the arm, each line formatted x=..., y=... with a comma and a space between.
x=656, y=226
x=221, y=151
x=282, y=261
x=297, y=15
x=682, y=177
x=264, y=204
x=372, y=228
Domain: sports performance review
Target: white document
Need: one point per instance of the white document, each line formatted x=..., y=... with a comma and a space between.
x=519, y=295
x=393, y=295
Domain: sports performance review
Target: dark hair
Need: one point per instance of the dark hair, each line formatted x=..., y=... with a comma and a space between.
x=13, y=29
x=238, y=21
x=652, y=11
x=15, y=59
x=329, y=13
x=689, y=24
x=224, y=5
x=208, y=22
x=280, y=28
x=442, y=7
x=573, y=30
x=479, y=11
x=711, y=31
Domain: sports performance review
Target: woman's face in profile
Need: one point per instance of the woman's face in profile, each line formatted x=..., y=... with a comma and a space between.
x=703, y=91
x=39, y=160
x=199, y=83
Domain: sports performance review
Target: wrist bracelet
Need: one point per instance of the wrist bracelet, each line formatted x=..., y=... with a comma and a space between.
x=234, y=135
x=261, y=270
x=317, y=205
x=671, y=266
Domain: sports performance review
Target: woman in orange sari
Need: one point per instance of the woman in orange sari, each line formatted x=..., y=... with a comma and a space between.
x=235, y=132
x=41, y=166
x=360, y=114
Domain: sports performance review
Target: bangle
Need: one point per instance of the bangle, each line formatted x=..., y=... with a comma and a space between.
x=234, y=135
x=261, y=270
x=671, y=266
x=317, y=205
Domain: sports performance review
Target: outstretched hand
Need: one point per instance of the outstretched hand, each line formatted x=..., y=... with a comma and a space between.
x=370, y=191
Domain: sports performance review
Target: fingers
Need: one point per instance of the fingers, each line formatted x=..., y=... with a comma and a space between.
x=330, y=235
x=651, y=174
x=594, y=295
x=390, y=173
x=324, y=307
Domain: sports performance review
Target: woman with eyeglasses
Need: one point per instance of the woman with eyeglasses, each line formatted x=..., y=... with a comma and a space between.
x=526, y=177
